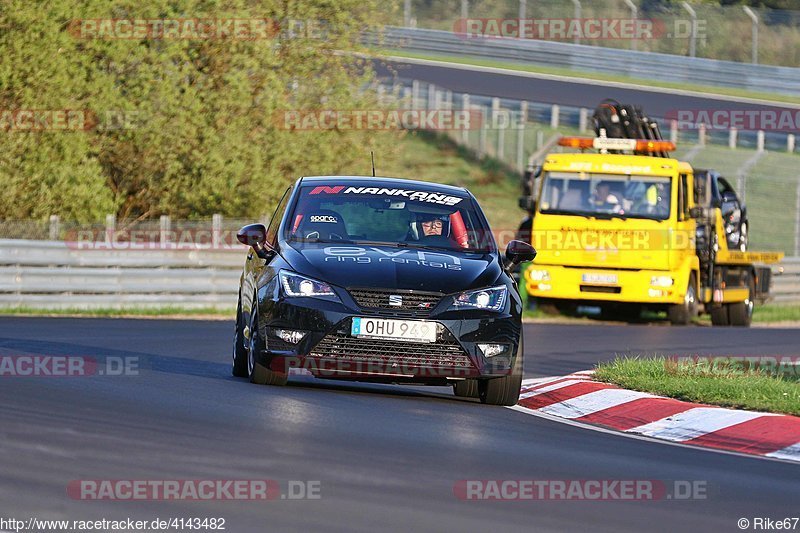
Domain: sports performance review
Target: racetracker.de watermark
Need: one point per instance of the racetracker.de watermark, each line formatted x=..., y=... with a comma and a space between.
x=68, y=120
x=778, y=120
x=377, y=119
x=580, y=489
x=67, y=366
x=198, y=29
x=568, y=29
x=193, y=489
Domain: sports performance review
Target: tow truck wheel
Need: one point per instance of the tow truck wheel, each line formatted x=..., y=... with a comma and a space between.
x=682, y=314
x=505, y=390
x=467, y=388
x=741, y=313
x=719, y=316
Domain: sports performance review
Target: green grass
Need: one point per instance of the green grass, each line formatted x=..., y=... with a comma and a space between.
x=776, y=313
x=217, y=312
x=726, y=91
x=728, y=385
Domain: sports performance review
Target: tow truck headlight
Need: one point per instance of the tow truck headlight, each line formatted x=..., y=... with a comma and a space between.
x=662, y=281
x=491, y=299
x=539, y=275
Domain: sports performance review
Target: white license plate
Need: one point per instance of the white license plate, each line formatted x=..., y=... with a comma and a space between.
x=599, y=278
x=384, y=328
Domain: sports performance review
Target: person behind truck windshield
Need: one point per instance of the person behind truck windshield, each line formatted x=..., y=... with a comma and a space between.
x=603, y=199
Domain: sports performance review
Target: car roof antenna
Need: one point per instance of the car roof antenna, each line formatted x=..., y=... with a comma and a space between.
x=372, y=155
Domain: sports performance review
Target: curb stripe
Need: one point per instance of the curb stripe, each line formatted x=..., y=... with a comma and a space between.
x=551, y=387
x=694, y=423
x=638, y=412
x=561, y=395
x=593, y=402
x=762, y=435
x=790, y=453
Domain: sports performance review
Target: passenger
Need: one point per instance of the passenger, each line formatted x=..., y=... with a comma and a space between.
x=603, y=198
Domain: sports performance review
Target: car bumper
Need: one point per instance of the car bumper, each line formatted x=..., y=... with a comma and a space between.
x=328, y=350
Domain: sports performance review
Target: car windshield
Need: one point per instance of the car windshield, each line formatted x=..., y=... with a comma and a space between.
x=395, y=215
x=606, y=195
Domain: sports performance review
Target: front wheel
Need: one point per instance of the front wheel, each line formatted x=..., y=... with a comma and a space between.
x=259, y=374
x=683, y=313
x=505, y=390
x=741, y=313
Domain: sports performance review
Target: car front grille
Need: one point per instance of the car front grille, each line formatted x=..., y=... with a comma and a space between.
x=387, y=354
x=401, y=303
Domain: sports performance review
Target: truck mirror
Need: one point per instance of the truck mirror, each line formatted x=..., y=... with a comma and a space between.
x=528, y=203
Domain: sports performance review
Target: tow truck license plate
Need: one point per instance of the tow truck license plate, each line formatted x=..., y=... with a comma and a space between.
x=406, y=330
x=599, y=278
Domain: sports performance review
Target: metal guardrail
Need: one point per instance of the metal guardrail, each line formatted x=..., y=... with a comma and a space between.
x=628, y=63
x=55, y=275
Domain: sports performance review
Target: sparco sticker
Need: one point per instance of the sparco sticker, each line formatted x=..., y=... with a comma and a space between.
x=421, y=196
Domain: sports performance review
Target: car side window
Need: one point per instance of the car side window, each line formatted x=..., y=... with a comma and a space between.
x=277, y=216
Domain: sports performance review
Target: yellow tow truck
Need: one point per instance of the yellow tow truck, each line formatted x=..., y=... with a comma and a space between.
x=629, y=228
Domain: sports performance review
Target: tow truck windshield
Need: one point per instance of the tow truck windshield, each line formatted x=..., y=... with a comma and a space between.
x=606, y=195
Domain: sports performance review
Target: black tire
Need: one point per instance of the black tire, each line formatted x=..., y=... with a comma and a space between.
x=547, y=306
x=239, y=356
x=505, y=390
x=741, y=313
x=258, y=373
x=719, y=316
x=467, y=388
x=683, y=314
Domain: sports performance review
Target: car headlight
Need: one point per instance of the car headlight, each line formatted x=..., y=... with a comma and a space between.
x=296, y=285
x=491, y=299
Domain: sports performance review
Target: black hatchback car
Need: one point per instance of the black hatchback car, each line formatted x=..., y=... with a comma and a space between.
x=383, y=280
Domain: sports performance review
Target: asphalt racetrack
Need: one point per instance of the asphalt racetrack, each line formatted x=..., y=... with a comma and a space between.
x=384, y=457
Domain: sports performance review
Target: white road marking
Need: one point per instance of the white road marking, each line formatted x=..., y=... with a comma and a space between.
x=790, y=453
x=549, y=388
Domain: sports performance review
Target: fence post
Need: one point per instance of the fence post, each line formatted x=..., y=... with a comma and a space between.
x=797, y=223
x=465, y=107
x=54, y=227
x=216, y=231
x=790, y=143
x=464, y=9
x=381, y=94
x=732, y=138
x=111, y=225
x=408, y=102
x=583, y=120
x=539, y=139
x=501, y=142
x=415, y=94
x=760, y=140
x=482, y=140
x=521, y=123
x=673, y=131
x=430, y=102
x=407, y=13
x=701, y=135
x=164, y=224
x=554, y=116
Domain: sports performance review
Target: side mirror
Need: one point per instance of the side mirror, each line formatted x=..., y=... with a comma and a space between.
x=519, y=252
x=527, y=203
x=255, y=235
x=696, y=212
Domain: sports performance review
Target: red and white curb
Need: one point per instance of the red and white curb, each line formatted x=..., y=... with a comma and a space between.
x=581, y=400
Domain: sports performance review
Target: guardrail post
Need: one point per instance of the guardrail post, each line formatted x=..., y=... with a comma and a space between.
x=733, y=135
x=164, y=225
x=111, y=227
x=466, y=107
x=583, y=120
x=701, y=135
x=673, y=131
x=554, y=116
x=381, y=93
x=415, y=94
x=539, y=139
x=760, y=140
x=216, y=231
x=54, y=227
x=790, y=143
